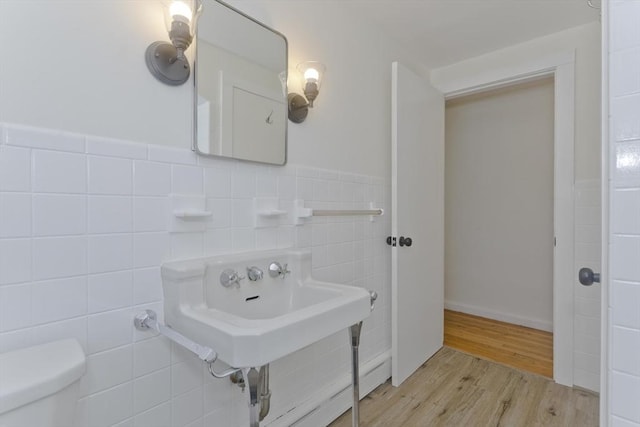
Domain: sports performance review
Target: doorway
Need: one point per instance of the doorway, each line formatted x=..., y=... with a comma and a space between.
x=562, y=68
x=499, y=204
x=499, y=229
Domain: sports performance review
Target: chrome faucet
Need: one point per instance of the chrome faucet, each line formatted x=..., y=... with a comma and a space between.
x=254, y=273
x=278, y=270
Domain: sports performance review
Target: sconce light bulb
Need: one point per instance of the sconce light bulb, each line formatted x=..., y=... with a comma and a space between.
x=311, y=75
x=312, y=72
x=181, y=11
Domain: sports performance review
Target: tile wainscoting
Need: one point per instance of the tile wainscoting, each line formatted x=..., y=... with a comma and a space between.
x=84, y=228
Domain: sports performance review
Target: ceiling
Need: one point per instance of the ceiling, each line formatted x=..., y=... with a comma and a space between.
x=442, y=32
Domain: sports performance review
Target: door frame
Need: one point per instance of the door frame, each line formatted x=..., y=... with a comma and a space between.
x=605, y=146
x=561, y=66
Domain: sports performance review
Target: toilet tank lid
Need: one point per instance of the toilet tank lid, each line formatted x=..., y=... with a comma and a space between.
x=33, y=373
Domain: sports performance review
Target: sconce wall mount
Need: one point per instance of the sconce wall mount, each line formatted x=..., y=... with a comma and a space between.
x=299, y=105
x=165, y=64
x=167, y=61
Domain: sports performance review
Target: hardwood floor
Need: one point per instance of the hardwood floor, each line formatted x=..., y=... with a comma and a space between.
x=456, y=389
x=522, y=348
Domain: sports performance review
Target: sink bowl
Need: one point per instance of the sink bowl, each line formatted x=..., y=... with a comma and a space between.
x=253, y=323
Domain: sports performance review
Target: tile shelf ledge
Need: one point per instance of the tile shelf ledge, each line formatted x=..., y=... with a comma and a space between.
x=271, y=212
x=188, y=213
x=192, y=214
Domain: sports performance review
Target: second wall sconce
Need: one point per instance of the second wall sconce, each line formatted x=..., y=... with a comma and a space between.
x=312, y=73
x=166, y=61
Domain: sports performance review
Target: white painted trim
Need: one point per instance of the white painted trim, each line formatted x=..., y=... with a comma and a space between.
x=563, y=218
x=331, y=401
x=496, y=77
x=604, y=182
x=394, y=222
x=562, y=67
x=543, y=325
x=499, y=84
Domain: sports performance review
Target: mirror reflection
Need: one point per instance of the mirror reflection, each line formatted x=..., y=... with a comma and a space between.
x=240, y=81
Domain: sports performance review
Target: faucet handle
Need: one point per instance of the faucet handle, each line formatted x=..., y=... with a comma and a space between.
x=230, y=278
x=285, y=271
x=277, y=270
x=254, y=273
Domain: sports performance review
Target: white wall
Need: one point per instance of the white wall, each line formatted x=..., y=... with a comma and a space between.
x=79, y=66
x=83, y=225
x=623, y=388
x=499, y=204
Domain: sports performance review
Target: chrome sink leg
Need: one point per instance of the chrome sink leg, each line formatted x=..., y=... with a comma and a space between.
x=354, y=336
x=251, y=380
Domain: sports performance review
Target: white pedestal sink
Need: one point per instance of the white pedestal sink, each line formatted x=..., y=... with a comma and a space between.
x=253, y=308
x=253, y=323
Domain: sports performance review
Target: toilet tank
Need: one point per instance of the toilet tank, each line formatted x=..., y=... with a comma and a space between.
x=39, y=385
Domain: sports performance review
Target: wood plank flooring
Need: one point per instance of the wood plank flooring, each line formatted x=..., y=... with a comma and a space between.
x=456, y=389
x=522, y=348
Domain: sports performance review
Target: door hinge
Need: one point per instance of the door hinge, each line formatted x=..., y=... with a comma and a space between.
x=391, y=241
x=555, y=241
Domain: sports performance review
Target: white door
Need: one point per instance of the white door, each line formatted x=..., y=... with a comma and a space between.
x=418, y=213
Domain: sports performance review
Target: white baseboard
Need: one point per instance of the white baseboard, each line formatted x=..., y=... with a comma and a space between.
x=543, y=325
x=331, y=401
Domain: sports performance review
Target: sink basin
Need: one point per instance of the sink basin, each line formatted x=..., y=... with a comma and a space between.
x=253, y=323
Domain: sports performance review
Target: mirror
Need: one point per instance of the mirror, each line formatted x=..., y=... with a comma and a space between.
x=240, y=76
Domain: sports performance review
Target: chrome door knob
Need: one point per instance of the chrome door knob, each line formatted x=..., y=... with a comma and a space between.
x=587, y=277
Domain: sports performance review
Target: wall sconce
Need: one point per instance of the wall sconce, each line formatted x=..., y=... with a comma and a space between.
x=167, y=61
x=299, y=105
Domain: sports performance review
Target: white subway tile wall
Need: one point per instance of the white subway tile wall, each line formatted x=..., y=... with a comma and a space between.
x=58, y=172
x=84, y=228
x=58, y=214
x=15, y=222
x=624, y=244
x=15, y=169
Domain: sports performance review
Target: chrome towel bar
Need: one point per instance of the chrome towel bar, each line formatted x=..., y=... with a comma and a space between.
x=300, y=212
x=355, y=212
